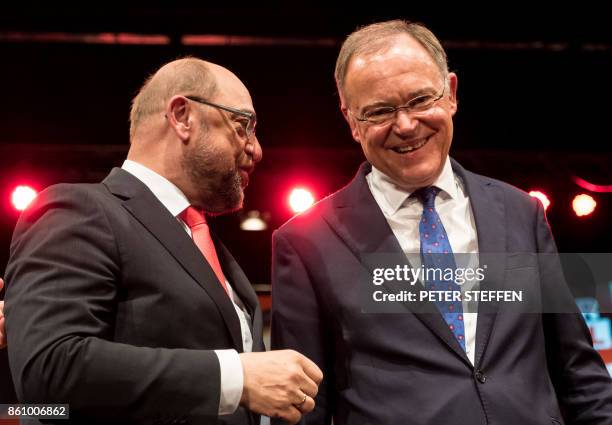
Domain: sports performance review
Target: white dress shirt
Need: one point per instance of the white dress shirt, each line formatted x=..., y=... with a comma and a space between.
x=403, y=214
x=231, y=368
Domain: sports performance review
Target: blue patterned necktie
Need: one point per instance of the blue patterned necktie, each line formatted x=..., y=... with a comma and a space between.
x=436, y=253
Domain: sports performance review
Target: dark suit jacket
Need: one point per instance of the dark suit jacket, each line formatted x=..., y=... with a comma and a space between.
x=408, y=369
x=111, y=308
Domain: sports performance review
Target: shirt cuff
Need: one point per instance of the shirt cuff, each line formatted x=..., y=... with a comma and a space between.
x=231, y=380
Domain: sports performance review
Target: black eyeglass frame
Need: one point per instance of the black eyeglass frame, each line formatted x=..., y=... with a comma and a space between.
x=250, y=128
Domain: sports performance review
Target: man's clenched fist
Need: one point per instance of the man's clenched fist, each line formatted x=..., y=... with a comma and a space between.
x=279, y=384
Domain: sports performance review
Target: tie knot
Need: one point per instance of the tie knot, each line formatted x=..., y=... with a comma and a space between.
x=192, y=217
x=427, y=195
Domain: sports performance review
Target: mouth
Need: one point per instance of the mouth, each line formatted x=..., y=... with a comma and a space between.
x=412, y=147
x=244, y=178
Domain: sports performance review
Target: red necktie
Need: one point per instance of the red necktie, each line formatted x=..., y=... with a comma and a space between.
x=200, y=233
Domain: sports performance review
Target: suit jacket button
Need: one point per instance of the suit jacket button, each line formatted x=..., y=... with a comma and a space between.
x=480, y=377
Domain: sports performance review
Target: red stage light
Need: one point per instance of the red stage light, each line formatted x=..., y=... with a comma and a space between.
x=583, y=205
x=542, y=197
x=22, y=196
x=300, y=200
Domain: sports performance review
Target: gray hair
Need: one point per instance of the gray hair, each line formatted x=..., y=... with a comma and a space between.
x=372, y=37
x=183, y=76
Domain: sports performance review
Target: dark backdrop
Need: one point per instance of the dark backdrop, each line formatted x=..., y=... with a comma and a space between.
x=534, y=93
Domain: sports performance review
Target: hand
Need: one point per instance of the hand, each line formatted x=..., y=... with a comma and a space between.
x=2, y=334
x=279, y=384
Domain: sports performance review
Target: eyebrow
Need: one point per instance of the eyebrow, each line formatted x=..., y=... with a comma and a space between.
x=413, y=95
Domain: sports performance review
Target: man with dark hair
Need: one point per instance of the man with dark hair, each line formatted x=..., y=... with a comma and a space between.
x=436, y=362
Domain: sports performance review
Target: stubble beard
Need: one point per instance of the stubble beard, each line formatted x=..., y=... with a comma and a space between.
x=218, y=186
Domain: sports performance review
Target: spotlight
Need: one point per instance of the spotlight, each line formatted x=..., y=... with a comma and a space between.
x=254, y=222
x=22, y=196
x=300, y=200
x=542, y=197
x=583, y=205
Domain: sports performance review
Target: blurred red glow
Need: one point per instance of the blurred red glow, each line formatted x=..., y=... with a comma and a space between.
x=22, y=196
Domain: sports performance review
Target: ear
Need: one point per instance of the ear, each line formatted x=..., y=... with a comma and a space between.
x=352, y=122
x=452, y=92
x=178, y=114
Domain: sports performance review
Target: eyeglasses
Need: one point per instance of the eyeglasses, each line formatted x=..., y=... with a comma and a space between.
x=384, y=114
x=247, y=125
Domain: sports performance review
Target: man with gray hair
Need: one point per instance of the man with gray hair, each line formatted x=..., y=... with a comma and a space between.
x=426, y=362
x=121, y=303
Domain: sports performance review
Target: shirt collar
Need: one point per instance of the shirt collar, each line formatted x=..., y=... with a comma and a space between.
x=393, y=196
x=168, y=194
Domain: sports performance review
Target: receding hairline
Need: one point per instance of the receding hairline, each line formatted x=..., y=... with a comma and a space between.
x=374, y=37
x=182, y=76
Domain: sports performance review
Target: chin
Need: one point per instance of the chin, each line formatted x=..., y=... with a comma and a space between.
x=229, y=208
x=225, y=209
x=225, y=203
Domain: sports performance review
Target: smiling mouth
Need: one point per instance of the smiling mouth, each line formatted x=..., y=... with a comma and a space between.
x=406, y=149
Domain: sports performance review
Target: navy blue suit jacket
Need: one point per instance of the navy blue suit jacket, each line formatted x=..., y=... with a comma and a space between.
x=408, y=369
x=113, y=309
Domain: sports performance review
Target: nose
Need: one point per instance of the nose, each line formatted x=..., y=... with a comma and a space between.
x=405, y=123
x=253, y=148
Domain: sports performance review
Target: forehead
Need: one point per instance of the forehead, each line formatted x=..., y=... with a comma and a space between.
x=402, y=65
x=231, y=91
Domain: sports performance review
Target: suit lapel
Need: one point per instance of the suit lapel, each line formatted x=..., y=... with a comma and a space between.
x=235, y=275
x=243, y=288
x=487, y=202
x=355, y=210
x=147, y=209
